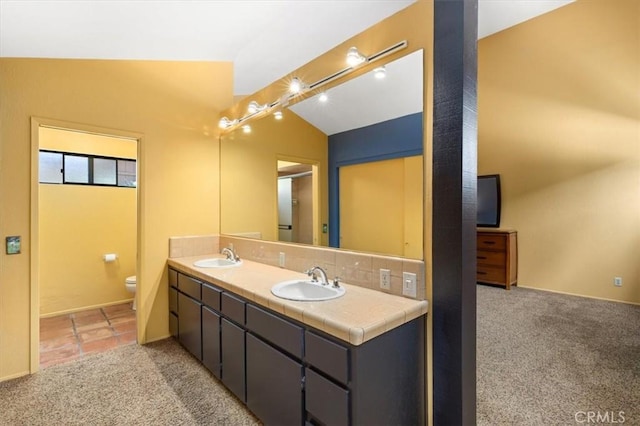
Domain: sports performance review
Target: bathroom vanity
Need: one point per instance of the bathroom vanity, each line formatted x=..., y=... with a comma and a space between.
x=329, y=366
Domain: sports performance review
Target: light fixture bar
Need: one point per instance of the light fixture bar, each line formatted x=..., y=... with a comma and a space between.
x=284, y=100
x=388, y=51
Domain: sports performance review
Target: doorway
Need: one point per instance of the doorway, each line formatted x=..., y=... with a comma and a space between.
x=84, y=240
x=298, y=215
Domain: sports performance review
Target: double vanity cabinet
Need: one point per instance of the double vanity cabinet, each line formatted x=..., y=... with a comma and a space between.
x=288, y=373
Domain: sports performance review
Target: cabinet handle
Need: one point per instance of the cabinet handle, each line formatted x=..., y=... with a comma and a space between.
x=482, y=257
x=481, y=273
x=488, y=242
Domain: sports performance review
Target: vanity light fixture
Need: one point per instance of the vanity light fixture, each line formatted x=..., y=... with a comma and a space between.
x=225, y=123
x=255, y=107
x=380, y=72
x=298, y=88
x=354, y=57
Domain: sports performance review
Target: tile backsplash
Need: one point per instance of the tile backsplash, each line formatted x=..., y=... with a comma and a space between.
x=361, y=269
x=193, y=245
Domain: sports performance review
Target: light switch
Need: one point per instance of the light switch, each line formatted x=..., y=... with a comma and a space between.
x=409, y=284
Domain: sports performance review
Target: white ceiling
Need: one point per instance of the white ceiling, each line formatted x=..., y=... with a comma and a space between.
x=265, y=39
x=366, y=100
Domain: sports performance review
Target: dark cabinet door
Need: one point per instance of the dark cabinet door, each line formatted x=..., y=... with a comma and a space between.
x=211, y=340
x=173, y=324
x=274, y=384
x=233, y=358
x=190, y=325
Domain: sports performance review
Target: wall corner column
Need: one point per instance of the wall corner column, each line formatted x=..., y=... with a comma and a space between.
x=454, y=212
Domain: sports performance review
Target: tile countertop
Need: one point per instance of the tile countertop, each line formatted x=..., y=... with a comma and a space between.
x=360, y=315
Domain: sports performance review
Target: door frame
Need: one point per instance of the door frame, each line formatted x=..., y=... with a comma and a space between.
x=34, y=241
x=316, y=194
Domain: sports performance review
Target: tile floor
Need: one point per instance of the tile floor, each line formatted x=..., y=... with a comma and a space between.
x=69, y=337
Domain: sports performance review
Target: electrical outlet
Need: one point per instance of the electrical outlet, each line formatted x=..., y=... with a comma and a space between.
x=385, y=279
x=617, y=281
x=281, y=260
x=409, y=284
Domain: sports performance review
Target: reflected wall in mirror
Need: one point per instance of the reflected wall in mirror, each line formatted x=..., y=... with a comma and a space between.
x=364, y=144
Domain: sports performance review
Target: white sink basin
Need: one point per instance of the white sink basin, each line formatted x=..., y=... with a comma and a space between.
x=306, y=291
x=217, y=262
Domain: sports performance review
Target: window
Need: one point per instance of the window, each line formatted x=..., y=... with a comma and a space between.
x=81, y=169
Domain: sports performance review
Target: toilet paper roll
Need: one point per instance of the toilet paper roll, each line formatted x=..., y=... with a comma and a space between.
x=111, y=257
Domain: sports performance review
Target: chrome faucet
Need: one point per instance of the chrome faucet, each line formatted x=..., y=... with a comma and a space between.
x=315, y=271
x=231, y=254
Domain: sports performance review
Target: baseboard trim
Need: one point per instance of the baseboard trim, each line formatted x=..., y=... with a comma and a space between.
x=579, y=295
x=85, y=308
x=14, y=376
x=157, y=339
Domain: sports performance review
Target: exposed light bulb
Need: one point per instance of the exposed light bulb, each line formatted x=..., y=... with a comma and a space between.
x=354, y=57
x=277, y=115
x=323, y=97
x=296, y=85
x=224, y=123
x=380, y=73
x=246, y=128
x=253, y=107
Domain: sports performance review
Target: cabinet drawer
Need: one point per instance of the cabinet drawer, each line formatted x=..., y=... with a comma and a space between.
x=489, y=241
x=173, y=278
x=327, y=357
x=232, y=307
x=497, y=258
x=173, y=300
x=211, y=296
x=489, y=274
x=276, y=330
x=189, y=286
x=326, y=401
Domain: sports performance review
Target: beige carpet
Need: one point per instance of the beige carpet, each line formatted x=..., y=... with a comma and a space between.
x=157, y=384
x=543, y=358
x=552, y=359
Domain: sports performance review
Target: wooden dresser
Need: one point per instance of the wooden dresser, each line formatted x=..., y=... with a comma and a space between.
x=497, y=257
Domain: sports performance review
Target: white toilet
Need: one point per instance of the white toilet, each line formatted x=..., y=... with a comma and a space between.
x=130, y=284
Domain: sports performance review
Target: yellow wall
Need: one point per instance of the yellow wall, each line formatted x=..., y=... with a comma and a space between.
x=381, y=207
x=249, y=176
x=559, y=119
x=173, y=107
x=79, y=224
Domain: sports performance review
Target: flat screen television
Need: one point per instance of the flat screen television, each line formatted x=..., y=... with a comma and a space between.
x=489, y=201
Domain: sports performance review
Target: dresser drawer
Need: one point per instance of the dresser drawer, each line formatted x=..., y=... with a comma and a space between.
x=488, y=241
x=496, y=258
x=491, y=275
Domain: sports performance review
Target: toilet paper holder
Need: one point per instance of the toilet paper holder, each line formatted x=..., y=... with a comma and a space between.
x=110, y=257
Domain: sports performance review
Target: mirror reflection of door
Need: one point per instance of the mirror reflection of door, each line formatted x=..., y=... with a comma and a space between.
x=295, y=202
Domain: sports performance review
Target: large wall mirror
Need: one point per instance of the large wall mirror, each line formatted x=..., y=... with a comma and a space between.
x=342, y=168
